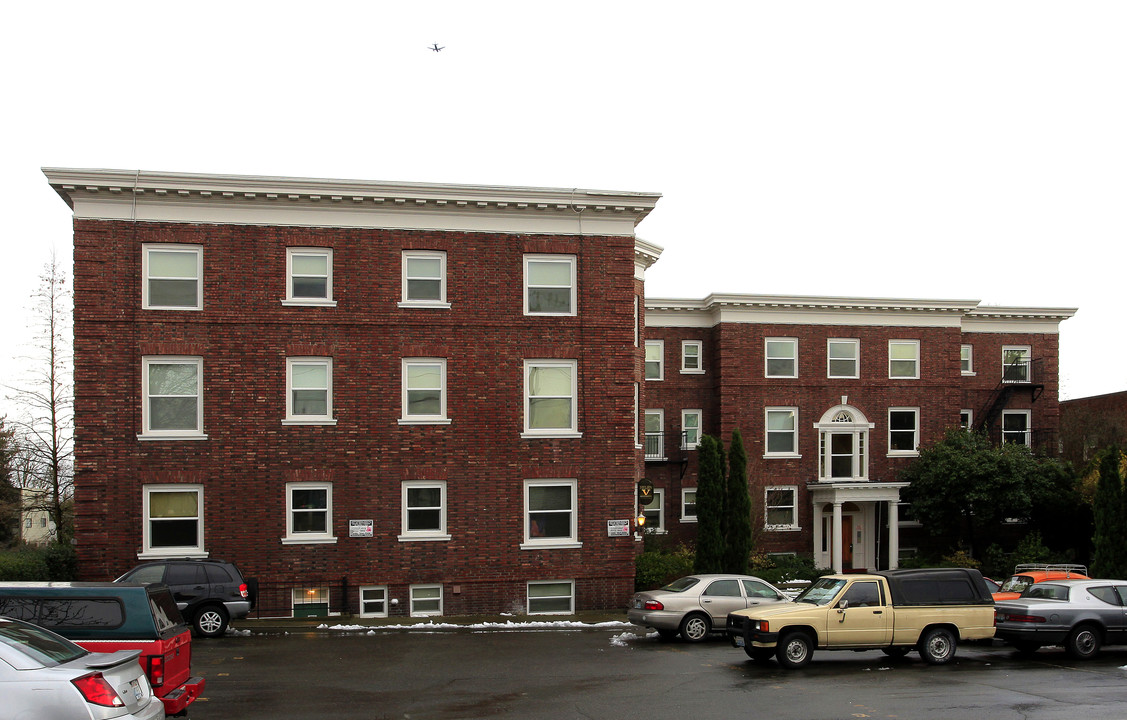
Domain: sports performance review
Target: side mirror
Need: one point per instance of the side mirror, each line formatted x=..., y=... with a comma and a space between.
x=843, y=605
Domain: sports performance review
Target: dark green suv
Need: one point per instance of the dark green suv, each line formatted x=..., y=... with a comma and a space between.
x=210, y=593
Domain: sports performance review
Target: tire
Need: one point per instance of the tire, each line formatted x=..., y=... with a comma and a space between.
x=895, y=652
x=210, y=621
x=759, y=654
x=1083, y=642
x=695, y=627
x=795, y=650
x=666, y=634
x=937, y=646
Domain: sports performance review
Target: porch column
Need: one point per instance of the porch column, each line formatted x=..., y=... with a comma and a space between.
x=893, y=534
x=836, y=540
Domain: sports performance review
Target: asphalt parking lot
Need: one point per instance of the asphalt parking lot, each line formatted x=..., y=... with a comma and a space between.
x=618, y=672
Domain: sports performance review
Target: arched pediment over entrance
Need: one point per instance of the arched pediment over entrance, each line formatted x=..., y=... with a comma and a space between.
x=845, y=417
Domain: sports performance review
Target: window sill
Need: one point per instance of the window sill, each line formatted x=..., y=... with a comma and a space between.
x=692, y=372
x=432, y=421
x=782, y=528
x=660, y=379
x=419, y=305
x=191, y=436
x=565, y=545
x=165, y=309
x=903, y=453
x=843, y=377
x=652, y=458
x=782, y=456
x=172, y=553
x=311, y=421
x=310, y=302
x=423, y=538
x=548, y=436
x=969, y=373
x=690, y=447
x=688, y=519
x=566, y=314
x=308, y=541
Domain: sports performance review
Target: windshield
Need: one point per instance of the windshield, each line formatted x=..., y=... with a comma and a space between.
x=44, y=647
x=1017, y=584
x=681, y=585
x=821, y=592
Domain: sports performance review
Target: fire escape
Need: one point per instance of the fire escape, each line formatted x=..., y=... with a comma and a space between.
x=1020, y=375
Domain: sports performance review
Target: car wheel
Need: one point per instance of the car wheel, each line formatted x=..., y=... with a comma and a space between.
x=937, y=647
x=211, y=621
x=1083, y=642
x=795, y=649
x=759, y=654
x=695, y=627
x=895, y=652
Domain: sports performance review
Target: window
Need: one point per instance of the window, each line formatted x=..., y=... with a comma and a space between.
x=782, y=431
x=690, y=429
x=310, y=601
x=424, y=279
x=1016, y=427
x=550, y=514
x=843, y=358
x=172, y=407
x=904, y=359
x=689, y=505
x=309, y=273
x=655, y=512
x=966, y=419
x=549, y=285
x=549, y=398
x=781, y=505
x=309, y=384
x=966, y=359
x=655, y=359
x=903, y=431
x=551, y=597
x=782, y=357
x=426, y=600
x=173, y=277
x=843, y=433
x=373, y=601
x=424, y=511
x=655, y=436
x=173, y=521
x=691, y=357
x=309, y=513
x=1015, y=364
x=424, y=390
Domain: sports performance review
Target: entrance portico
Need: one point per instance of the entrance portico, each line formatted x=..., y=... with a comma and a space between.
x=854, y=508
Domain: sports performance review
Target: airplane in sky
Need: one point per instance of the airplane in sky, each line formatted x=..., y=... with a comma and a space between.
x=435, y=47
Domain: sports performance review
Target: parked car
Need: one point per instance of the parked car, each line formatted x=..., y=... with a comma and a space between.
x=210, y=593
x=1081, y=615
x=697, y=605
x=1027, y=575
x=106, y=617
x=47, y=677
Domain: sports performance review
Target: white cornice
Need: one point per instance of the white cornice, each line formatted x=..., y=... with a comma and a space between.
x=998, y=319
x=311, y=202
x=645, y=255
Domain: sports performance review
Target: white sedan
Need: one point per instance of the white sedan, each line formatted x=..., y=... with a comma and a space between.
x=697, y=605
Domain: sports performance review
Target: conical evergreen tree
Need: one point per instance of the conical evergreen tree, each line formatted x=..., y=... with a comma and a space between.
x=737, y=509
x=710, y=507
x=1108, y=507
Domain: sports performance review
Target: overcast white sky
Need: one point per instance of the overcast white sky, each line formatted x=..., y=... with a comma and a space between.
x=953, y=150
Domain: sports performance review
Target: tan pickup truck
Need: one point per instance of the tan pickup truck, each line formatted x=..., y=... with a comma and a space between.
x=895, y=611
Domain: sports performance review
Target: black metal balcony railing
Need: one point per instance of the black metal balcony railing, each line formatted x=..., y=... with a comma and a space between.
x=655, y=444
x=1021, y=370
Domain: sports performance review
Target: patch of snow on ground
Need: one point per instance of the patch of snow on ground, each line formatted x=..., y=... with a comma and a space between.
x=507, y=625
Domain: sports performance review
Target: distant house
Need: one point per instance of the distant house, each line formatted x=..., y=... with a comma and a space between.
x=36, y=526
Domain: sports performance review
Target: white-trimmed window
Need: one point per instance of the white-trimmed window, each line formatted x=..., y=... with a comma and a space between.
x=1017, y=427
x=966, y=419
x=309, y=391
x=781, y=357
x=904, y=359
x=550, y=515
x=424, y=279
x=903, y=431
x=655, y=512
x=843, y=358
x=172, y=402
x=426, y=600
x=173, y=277
x=309, y=276
x=173, y=521
x=781, y=507
x=688, y=504
x=781, y=431
x=373, y=601
x=690, y=429
x=843, y=447
x=1015, y=364
x=550, y=392
x=551, y=597
x=966, y=359
x=655, y=434
x=309, y=513
x=424, y=510
x=692, y=357
x=424, y=390
x=655, y=359
x=549, y=285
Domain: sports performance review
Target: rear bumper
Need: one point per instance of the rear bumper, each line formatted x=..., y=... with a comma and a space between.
x=177, y=701
x=1030, y=634
x=237, y=609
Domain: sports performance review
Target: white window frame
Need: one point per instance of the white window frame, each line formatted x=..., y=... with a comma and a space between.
x=573, y=302
x=793, y=490
x=413, y=599
x=361, y=600
x=147, y=433
x=1027, y=434
x=849, y=421
x=685, y=414
x=1026, y=352
x=327, y=418
x=915, y=413
x=966, y=359
x=768, y=357
x=969, y=414
x=545, y=583
x=660, y=345
x=193, y=551
x=856, y=359
x=686, y=518
x=422, y=419
x=562, y=432
x=698, y=345
x=655, y=449
x=915, y=359
x=538, y=543
x=436, y=534
x=291, y=299
x=767, y=432
x=148, y=248
x=309, y=538
x=656, y=507
x=407, y=301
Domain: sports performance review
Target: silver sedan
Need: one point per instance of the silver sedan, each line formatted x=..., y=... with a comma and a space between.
x=1081, y=615
x=697, y=605
x=47, y=677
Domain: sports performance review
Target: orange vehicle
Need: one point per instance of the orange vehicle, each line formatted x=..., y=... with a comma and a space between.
x=1031, y=573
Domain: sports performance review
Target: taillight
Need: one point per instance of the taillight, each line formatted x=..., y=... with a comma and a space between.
x=156, y=670
x=653, y=605
x=96, y=690
x=243, y=590
x=1003, y=617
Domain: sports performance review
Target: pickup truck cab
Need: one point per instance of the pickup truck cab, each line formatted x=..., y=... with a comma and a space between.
x=895, y=611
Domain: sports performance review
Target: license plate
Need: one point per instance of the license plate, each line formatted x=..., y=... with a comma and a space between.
x=738, y=640
x=136, y=689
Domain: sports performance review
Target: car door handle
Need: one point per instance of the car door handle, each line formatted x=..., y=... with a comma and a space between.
x=878, y=612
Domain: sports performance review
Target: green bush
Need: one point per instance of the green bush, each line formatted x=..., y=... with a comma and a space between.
x=52, y=562
x=653, y=569
x=778, y=569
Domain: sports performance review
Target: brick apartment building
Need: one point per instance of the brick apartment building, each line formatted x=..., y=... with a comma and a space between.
x=425, y=399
